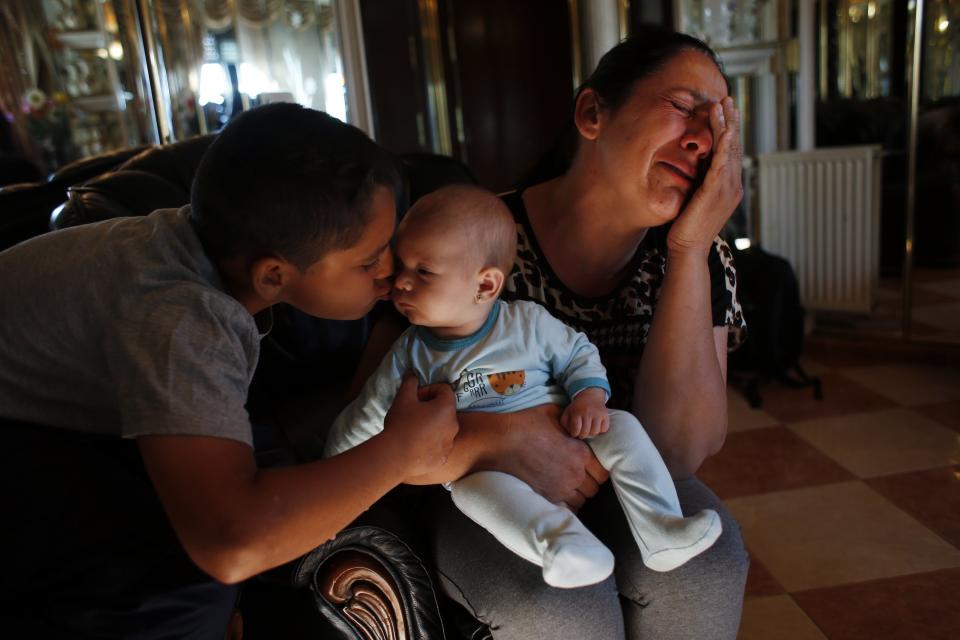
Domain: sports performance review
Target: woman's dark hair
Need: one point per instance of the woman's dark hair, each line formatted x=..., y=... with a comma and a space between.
x=287, y=181
x=618, y=71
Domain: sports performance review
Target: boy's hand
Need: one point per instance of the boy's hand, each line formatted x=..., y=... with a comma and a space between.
x=423, y=423
x=587, y=414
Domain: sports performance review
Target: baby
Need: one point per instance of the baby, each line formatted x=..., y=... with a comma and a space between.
x=454, y=249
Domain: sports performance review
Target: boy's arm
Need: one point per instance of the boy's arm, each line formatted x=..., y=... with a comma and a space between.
x=235, y=520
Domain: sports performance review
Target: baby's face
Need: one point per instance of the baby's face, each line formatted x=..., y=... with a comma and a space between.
x=435, y=284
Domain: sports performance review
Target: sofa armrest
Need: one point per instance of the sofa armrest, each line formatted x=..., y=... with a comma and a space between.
x=369, y=585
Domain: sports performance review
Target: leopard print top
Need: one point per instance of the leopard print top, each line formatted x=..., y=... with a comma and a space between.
x=618, y=324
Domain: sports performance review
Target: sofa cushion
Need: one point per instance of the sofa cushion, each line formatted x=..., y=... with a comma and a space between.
x=118, y=194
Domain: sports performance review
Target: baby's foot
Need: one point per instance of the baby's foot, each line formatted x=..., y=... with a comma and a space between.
x=568, y=564
x=681, y=540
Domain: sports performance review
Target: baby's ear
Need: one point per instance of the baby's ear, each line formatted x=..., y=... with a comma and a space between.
x=489, y=284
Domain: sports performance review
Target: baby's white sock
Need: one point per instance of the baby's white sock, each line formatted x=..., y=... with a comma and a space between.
x=678, y=539
x=648, y=496
x=546, y=534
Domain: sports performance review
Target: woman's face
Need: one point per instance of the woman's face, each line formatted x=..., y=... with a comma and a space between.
x=656, y=147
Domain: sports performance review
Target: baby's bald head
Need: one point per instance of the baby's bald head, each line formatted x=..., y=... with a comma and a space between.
x=474, y=216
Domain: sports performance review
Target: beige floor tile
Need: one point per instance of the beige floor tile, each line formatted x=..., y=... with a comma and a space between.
x=837, y=534
x=948, y=288
x=946, y=413
x=740, y=417
x=882, y=442
x=776, y=617
x=942, y=316
x=909, y=384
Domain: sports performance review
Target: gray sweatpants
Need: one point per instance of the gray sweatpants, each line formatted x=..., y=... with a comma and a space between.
x=700, y=600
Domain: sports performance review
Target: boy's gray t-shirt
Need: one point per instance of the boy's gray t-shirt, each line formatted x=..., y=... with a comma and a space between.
x=123, y=328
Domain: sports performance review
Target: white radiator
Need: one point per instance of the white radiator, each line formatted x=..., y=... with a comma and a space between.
x=821, y=211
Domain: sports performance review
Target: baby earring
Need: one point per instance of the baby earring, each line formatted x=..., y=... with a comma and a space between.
x=479, y=298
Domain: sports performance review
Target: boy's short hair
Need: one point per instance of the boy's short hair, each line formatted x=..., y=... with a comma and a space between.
x=478, y=214
x=287, y=181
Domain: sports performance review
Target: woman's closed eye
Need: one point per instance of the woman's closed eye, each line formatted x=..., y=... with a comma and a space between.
x=373, y=264
x=423, y=271
x=682, y=108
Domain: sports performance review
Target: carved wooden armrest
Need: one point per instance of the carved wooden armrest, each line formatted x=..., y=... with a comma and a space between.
x=371, y=586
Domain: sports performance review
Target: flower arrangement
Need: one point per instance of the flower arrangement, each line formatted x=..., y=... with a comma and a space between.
x=45, y=120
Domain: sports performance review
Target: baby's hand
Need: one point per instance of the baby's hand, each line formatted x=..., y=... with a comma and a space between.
x=587, y=414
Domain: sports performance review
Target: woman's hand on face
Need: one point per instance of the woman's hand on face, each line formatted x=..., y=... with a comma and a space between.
x=715, y=200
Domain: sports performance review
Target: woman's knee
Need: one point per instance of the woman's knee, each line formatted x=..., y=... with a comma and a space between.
x=508, y=594
x=720, y=570
x=700, y=599
x=718, y=574
x=515, y=607
x=728, y=555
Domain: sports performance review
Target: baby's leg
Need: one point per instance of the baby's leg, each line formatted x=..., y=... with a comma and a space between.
x=525, y=522
x=649, y=499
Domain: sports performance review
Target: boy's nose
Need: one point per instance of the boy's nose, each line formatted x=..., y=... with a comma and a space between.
x=387, y=267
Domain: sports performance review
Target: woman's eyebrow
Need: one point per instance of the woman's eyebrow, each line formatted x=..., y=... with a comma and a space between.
x=698, y=96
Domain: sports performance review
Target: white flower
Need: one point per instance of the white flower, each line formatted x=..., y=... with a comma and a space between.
x=36, y=99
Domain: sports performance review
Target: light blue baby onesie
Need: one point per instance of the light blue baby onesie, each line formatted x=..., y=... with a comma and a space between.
x=523, y=357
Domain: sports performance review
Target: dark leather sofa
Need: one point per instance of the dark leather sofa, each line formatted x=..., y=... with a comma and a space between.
x=373, y=580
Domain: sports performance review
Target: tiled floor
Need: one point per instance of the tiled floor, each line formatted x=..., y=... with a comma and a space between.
x=935, y=304
x=937, y=308
x=850, y=506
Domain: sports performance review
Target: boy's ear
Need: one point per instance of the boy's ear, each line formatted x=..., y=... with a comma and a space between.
x=587, y=113
x=269, y=276
x=489, y=284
